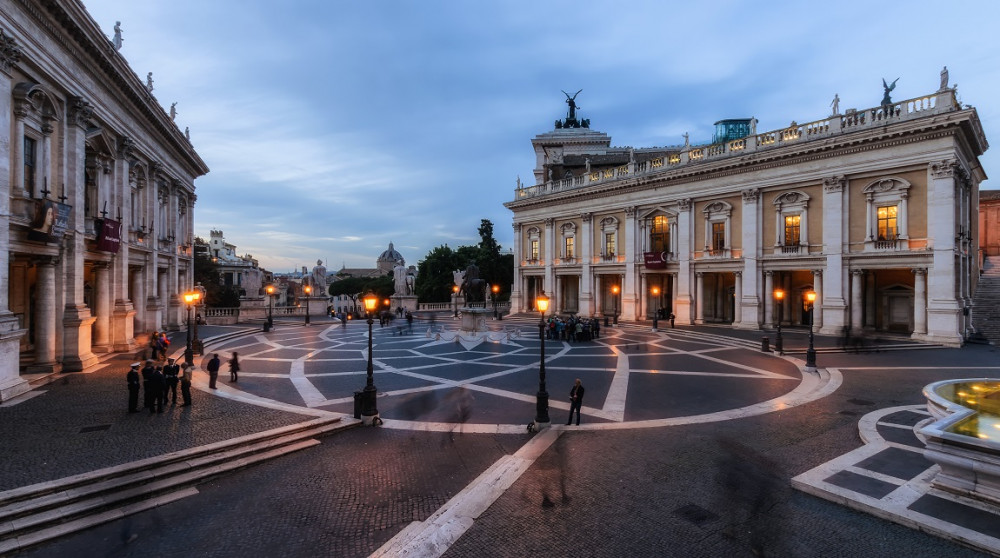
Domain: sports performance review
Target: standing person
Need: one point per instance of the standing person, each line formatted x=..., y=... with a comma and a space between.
x=159, y=388
x=409, y=322
x=132, y=379
x=213, y=370
x=576, y=401
x=234, y=367
x=154, y=345
x=147, y=389
x=187, y=373
x=170, y=372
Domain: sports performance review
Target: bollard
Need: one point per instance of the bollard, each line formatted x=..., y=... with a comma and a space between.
x=357, y=404
x=267, y=327
x=765, y=344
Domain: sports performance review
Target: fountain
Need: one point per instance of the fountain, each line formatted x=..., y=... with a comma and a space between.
x=963, y=438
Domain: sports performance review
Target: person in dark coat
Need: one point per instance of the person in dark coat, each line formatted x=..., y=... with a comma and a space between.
x=132, y=379
x=158, y=386
x=576, y=401
x=170, y=373
x=213, y=370
x=234, y=367
x=147, y=391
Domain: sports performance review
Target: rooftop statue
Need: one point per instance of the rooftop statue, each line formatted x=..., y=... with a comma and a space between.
x=117, y=41
x=149, y=82
x=571, y=101
x=886, y=100
x=173, y=110
x=835, y=104
x=944, y=79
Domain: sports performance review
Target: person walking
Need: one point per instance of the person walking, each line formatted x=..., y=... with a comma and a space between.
x=576, y=401
x=170, y=373
x=213, y=370
x=158, y=387
x=234, y=367
x=187, y=373
x=132, y=379
x=147, y=389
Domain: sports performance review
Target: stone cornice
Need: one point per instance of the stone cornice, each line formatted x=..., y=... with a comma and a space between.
x=10, y=53
x=903, y=133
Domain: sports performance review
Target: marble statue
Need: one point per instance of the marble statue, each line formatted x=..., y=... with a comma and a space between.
x=944, y=79
x=835, y=104
x=173, y=110
x=149, y=82
x=117, y=41
x=458, y=277
x=319, y=278
x=187, y=133
x=399, y=280
x=586, y=163
x=753, y=126
x=687, y=140
x=411, y=281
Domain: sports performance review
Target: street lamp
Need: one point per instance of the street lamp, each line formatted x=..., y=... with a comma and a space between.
x=369, y=410
x=496, y=291
x=270, y=307
x=615, y=290
x=656, y=307
x=779, y=295
x=542, y=398
x=308, y=290
x=454, y=290
x=191, y=298
x=811, y=352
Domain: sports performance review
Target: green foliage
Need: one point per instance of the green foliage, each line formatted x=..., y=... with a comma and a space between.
x=352, y=287
x=217, y=295
x=435, y=272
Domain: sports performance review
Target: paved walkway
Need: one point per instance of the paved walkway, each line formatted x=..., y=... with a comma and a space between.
x=694, y=380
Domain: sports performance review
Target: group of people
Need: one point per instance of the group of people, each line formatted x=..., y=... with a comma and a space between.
x=572, y=329
x=159, y=382
x=158, y=344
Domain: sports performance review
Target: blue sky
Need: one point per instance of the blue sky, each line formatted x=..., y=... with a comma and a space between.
x=333, y=128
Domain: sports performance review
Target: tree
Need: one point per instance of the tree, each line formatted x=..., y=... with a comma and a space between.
x=206, y=272
x=356, y=287
x=434, y=272
x=435, y=279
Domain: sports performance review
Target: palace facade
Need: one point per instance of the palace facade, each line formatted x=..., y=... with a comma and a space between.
x=874, y=210
x=96, y=196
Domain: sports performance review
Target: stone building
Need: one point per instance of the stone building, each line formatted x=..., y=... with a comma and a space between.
x=96, y=196
x=242, y=273
x=989, y=223
x=874, y=210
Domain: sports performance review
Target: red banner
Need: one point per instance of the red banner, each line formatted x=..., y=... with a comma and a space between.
x=655, y=260
x=109, y=238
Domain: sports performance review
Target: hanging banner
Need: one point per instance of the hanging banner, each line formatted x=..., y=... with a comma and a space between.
x=42, y=222
x=109, y=236
x=655, y=260
x=61, y=224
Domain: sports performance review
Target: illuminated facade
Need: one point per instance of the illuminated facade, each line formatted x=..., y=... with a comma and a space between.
x=875, y=210
x=97, y=196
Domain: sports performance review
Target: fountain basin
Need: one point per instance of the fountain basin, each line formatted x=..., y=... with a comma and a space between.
x=963, y=438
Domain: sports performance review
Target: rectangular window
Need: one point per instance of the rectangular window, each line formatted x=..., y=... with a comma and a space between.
x=570, y=245
x=609, y=244
x=534, y=250
x=887, y=223
x=792, y=230
x=29, y=165
x=719, y=236
x=659, y=236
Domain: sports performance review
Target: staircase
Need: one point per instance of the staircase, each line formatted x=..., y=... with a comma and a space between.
x=40, y=512
x=986, y=303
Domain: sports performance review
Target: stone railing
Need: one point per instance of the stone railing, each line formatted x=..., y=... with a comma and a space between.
x=853, y=120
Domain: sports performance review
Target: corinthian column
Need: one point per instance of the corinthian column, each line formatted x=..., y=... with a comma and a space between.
x=45, y=317
x=102, y=307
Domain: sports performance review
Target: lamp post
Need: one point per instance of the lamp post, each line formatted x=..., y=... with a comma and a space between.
x=779, y=295
x=454, y=298
x=656, y=307
x=810, y=352
x=308, y=290
x=191, y=298
x=270, y=308
x=369, y=410
x=542, y=398
x=196, y=345
x=615, y=290
x=496, y=291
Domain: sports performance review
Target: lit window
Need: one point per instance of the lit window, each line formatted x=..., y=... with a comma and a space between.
x=718, y=235
x=659, y=236
x=534, y=249
x=887, y=222
x=570, y=245
x=792, y=229
x=609, y=244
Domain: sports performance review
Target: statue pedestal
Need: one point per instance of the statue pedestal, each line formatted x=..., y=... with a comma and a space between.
x=474, y=319
x=407, y=302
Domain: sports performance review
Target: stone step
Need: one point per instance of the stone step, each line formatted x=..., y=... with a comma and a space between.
x=39, y=512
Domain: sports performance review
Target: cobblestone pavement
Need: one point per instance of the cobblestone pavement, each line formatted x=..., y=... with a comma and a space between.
x=691, y=489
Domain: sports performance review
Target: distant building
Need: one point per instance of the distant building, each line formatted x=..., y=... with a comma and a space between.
x=98, y=197
x=873, y=210
x=989, y=222
x=384, y=264
x=242, y=273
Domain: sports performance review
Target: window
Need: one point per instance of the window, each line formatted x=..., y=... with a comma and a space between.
x=792, y=229
x=534, y=249
x=887, y=222
x=570, y=244
x=609, y=244
x=29, y=164
x=659, y=235
x=718, y=236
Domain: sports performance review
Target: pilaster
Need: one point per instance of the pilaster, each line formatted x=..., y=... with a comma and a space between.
x=748, y=304
x=685, y=233
x=630, y=289
x=834, y=301
x=586, y=256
